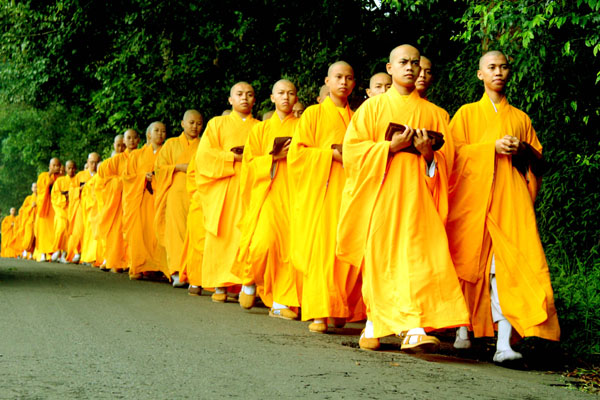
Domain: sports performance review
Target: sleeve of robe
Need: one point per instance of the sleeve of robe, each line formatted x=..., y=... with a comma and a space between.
x=255, y=182
x=59, y=200
x=213, y=163
x=164, y=170
x=108, y=188
x=134, y=184
x=43, y=195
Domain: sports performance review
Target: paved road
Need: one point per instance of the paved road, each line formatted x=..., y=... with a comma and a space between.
x=74, y=332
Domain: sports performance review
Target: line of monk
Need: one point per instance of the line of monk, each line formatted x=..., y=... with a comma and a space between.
x=391, y=214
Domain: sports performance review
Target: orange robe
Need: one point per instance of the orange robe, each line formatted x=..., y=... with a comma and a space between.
x=60, y=203
x=392, y=220
x=218, y=179
x=44, y=229
x=27, y=225
x=492, y=213
x=193, y=247
x=91, y=247
x=76, y=225
x=8, y=233
x=264, y=245
x=330, y=287
x=171, y=198
x=143, y=251
x=109, y=188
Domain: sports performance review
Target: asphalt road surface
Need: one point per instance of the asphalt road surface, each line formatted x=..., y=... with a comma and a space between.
x=75, y=332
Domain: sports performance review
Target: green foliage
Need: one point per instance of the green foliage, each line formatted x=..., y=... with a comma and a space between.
x=74, y=73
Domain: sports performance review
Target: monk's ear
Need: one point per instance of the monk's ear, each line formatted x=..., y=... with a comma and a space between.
x=230, y=100
x=272, y=99
x=388, y=68
x=327, y=81
x=479, y=75
x=368, y=92
x=182, y=125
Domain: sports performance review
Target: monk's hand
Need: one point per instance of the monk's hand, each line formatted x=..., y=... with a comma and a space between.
x=423, y=143
x=402, y=140
x=507, y=145
x=237, y=157
x=181, y=167
x=337, y=156
x=149, y=176
x=283, y=152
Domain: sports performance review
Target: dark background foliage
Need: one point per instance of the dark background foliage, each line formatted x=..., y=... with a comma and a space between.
x=74, y=73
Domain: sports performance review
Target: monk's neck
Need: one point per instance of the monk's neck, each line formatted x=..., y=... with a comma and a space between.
x=155, y=147
x=404, y=90
x=282, y=115
x=242, y=115
x=189, y=138
x=339, y=101
x=495, y=97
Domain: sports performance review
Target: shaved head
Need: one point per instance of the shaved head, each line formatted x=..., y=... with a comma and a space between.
x=119, y=144
x=491, y=53
x=192, y=123
x=337, y=64
x=378, y=84
x=131, y=139
x=241, y=98
x=118, y=138
x=403, y=48
x=191, y=114
x=54, y=166
x=93, y=161
x=239, y=85
x=70, y=168
x=284, y=83
x=323, y=92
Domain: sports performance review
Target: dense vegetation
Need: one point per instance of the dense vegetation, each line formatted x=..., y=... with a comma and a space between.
x=74, y=73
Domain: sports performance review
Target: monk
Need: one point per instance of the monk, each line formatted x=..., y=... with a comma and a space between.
x=109, y=187
x=139, y=188
x=492, y=226
x=91, y=248
x=264, y=246
x=218, y=169
x=378, y=84
x=44, y=229
x=330, y=287
x=171, y=197
x=118, y=145
x=76, y=222
x=323, y=93
x=298, y=109
x=393, y=212
x=425, y=78
x=8, y=233
x=26, y=228
x=60, y=203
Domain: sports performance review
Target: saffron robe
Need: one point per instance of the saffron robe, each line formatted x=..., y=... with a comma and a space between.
x=330, y=286
x=44, y=229
x=109, y=188
x=91, y=248
x=76, y=224
x=171, y=198
x=27, y=226
x=391, y=223
x=143, y=251
x=218, y=180
x=193, y=247
x=264, y=245
x=8, y=233
x=492, y=213
x=60, y=203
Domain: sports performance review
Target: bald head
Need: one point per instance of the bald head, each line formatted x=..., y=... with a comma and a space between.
x=491, y=54
x=403, y=50
x=283, y=83
x=192, y=124
x=404, y=67
x=378, y=84
x=92, y=162
x=323, y=93
x=13, y=211
x=241, y=98
x=54, y=166
x=340, y=81
x=425, y=76
x=118, y=144
x=131, y=139
x=284, y=97
x=298, y=109
x=34, y=187
x=70, y=168
x=336, y=65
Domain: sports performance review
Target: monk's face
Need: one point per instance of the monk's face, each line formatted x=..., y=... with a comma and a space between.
x=340, y=81
x=119, y=145
x=71, y=168
x=13, y=211
x=242, y=98
x=92, y=162
x=158, y=133
x=425, y=76
x=494, y=71
x=131, y=139
x=62, y=170
x=298, y=109
x=284, y=97
x=404, y=66
x=379, y=84
x=54, y=167
x=34, y=188
x=192, y=124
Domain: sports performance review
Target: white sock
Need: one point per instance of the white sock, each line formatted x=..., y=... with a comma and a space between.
x=319, y=321
x=277, y=306
x=415, y=331
x=249, y=290
x=220, y=290
x=194, y=286
x=369, y=330
x=462, y=333
x=504, y=333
